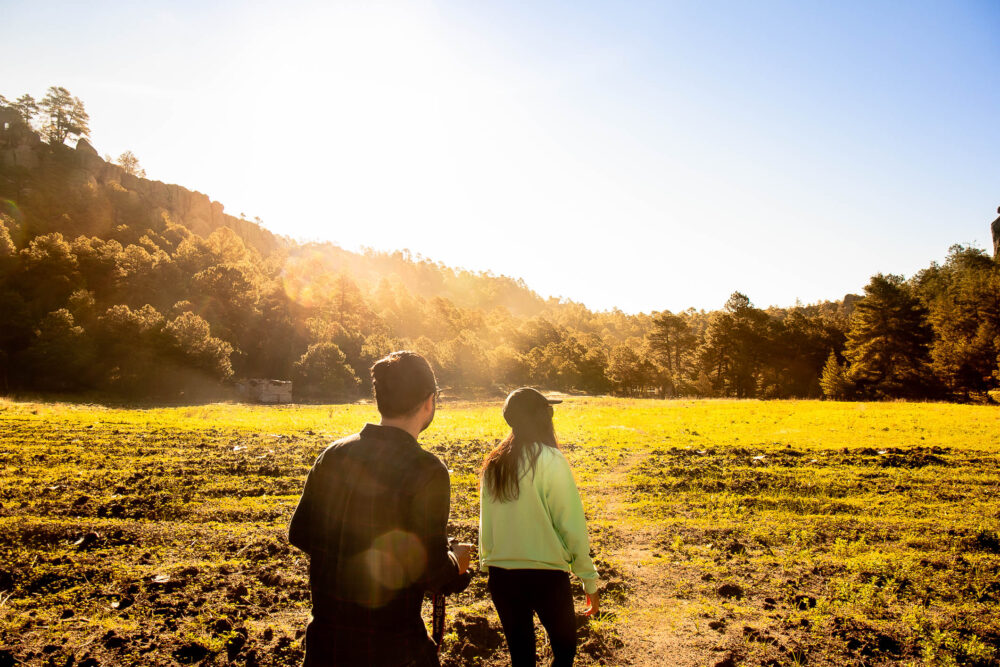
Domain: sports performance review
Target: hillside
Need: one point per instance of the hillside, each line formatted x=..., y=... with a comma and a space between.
x=76, y=192
x=146, y=234
x=116, y=285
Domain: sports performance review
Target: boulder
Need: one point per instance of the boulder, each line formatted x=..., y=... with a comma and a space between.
x=88, y=158
x=84, y=147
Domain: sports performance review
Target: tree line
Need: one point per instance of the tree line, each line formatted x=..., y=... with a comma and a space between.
x=102, y=293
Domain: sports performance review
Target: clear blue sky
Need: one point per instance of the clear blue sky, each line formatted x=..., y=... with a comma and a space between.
x=647, y=156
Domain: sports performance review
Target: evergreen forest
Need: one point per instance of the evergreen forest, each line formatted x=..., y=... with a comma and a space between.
x=113, y=286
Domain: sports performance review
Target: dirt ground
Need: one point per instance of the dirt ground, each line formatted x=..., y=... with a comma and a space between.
x=725, y=533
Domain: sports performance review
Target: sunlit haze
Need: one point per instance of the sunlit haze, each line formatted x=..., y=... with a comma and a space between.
x=644, y=156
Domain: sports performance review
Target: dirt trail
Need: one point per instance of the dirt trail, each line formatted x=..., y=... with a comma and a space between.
x=654, y=624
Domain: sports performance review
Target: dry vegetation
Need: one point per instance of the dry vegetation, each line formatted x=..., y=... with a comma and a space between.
x=727, y=533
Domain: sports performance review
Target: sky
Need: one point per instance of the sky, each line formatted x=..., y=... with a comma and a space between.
x=631, y=155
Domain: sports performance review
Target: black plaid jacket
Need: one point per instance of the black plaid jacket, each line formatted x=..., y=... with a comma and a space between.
x=373, y=518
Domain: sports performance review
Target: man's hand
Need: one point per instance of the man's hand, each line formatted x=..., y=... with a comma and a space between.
x=594, y=600
x=463, y=552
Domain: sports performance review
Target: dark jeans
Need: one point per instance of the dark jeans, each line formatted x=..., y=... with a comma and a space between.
x=518, y=595
x=329, y=645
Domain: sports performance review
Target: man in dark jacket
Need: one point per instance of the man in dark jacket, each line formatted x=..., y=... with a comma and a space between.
x=373, y=518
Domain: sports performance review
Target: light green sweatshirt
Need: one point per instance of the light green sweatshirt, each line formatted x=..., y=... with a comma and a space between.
x=543, y=529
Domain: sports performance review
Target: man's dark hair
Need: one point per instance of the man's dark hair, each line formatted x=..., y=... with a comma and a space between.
x=402, y=381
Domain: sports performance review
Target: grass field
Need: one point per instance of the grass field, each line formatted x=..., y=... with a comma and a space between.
x=726, y=532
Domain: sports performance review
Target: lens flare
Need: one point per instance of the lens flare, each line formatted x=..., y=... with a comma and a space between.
x=307, y=278
x=395, y=560
x=407, y=552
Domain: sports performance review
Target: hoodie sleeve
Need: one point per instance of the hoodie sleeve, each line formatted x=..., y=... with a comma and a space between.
x=566, y=509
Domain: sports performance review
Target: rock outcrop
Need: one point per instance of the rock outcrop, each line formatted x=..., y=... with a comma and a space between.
x=193, y=209
x=22, y=151
x=18, y=143
x=995, y=228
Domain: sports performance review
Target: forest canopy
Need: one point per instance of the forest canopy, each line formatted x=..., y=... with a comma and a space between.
x=106, y=286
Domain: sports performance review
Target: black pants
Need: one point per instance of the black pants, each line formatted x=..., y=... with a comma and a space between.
x=518, y=595
x=329, y=644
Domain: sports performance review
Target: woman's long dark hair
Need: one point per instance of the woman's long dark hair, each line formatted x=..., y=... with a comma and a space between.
x=518, y=452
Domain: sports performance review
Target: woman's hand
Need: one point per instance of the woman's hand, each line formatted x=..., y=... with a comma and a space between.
x=594, y=600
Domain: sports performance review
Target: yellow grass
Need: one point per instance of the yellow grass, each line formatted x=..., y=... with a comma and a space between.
x=755, y=532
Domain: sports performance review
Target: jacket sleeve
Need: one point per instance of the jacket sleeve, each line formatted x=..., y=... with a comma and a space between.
x=429, y=516
x=566, y=510
x=302, y=526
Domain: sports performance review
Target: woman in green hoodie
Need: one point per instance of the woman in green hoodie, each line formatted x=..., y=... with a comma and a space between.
x=532, y=532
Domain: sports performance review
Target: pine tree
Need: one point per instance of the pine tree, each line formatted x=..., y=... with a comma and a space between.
x=888, y=342
x=963, y=299
x=672, y=342
x=735, y=347
x=833, y=382
x=65, y=115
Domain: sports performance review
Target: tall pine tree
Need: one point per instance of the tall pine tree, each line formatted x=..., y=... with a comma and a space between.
x=888, y=342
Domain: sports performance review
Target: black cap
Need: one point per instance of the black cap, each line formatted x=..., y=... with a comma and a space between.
x=524, y=402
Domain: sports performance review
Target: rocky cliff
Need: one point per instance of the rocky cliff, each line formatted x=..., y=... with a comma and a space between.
x=25, y=160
